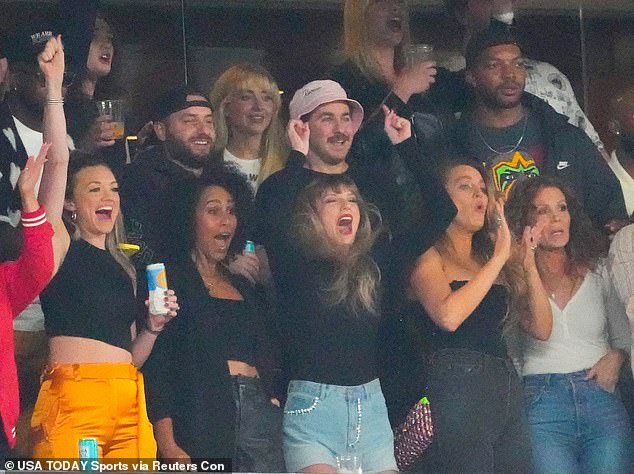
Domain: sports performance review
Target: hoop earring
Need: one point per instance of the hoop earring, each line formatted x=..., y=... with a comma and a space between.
x=73, y=216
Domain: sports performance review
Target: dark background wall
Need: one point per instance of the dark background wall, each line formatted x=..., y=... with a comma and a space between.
x=298, y=45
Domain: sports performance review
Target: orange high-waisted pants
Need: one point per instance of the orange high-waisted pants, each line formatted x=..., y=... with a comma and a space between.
x=102, y=401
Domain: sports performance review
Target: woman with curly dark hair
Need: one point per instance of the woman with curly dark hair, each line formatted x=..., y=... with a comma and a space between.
x=209, y=381
x=577, y=422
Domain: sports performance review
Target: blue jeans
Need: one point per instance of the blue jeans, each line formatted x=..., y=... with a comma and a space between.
x=576, y=426
x=258, y=428
x=322, y=421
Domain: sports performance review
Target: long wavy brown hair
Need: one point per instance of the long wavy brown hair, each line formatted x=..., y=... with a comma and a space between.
x=79, y=161
x=482, y=246
x=356, y=278
x=586, y=246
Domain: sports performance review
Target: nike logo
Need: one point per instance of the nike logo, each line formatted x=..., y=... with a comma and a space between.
x=562, y=165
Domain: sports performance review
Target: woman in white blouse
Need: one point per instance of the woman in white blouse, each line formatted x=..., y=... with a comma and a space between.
x=577, y=420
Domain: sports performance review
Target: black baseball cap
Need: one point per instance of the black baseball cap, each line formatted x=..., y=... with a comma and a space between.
x=497, y=33
x=175, y=100
x=23, y=45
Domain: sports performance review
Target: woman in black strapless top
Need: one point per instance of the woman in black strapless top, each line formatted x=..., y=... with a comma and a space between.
x=466, y=285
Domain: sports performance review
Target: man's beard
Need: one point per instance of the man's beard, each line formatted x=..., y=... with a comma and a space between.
x=179, y=152
x=492, y=100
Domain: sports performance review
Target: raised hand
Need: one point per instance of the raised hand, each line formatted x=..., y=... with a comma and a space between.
x=29, y=177
x=51, y=62
x=503, y=239
x=397, y=128
x=530, y=241
x=298, y=135
x=100, y=135
x=414, y=80
x=246, y=264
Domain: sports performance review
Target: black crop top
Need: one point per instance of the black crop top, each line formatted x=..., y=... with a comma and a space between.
x=237, y=330
x=91, y=296
x=482, y=330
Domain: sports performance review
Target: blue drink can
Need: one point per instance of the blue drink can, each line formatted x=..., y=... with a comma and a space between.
x=89, y=452
x=157, y=285
x=249, y=246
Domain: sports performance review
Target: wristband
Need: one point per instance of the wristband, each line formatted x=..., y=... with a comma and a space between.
x=35, y=218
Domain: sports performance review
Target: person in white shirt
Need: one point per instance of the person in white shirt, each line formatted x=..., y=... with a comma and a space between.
x=246, y=103
x=577, y=421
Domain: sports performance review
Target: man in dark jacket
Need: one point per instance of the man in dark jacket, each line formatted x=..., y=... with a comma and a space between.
x=517, y=135
x=183, y=124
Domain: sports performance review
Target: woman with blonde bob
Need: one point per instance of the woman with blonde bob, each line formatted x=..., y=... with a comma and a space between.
x=335, y=403
x=249, y=133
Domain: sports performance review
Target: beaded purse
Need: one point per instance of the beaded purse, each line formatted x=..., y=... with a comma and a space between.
x=414, y=435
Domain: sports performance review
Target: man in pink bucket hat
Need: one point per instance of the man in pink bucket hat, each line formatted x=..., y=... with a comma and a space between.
x=323, y=123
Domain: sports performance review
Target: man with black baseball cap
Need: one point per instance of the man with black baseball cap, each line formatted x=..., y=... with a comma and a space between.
x=182, y=121
x=542, y=79
x=517, y=135
x=22, y=111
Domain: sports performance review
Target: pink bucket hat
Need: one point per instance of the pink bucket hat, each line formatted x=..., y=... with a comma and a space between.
x=317, y=93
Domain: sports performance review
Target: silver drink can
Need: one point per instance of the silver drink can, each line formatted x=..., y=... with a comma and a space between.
x=157, y=286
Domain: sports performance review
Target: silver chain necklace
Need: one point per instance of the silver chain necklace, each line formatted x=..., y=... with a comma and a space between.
x=498, y=152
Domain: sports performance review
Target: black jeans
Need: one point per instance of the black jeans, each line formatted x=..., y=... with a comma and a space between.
x=478, y=415
x=258, y=428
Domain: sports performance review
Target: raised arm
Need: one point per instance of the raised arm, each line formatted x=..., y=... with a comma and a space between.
x=447, y=308
x=538, y=320
x=27, y=276
x=53, y=185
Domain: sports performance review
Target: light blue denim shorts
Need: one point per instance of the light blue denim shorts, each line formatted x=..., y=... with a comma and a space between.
x=323, y=421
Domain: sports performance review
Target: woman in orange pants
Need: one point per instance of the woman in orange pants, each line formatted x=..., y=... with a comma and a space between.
x=91, y=388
